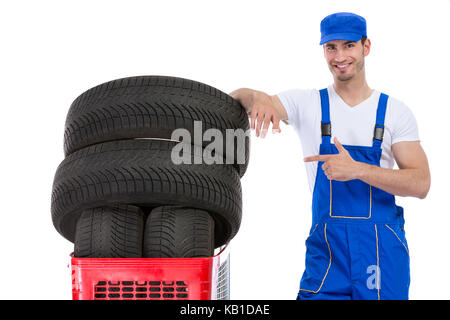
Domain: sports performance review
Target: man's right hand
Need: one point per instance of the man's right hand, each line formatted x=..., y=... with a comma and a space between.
x=262, y=109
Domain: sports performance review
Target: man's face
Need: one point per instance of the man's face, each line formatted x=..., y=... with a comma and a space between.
x=346, y=58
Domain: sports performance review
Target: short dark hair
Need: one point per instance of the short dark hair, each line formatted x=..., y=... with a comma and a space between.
x=363, y=39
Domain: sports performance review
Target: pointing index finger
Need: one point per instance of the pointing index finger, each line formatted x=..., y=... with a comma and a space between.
x=317, y=158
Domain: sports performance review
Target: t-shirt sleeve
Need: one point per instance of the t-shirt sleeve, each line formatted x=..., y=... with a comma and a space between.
x=405, y=128
x=292, y=101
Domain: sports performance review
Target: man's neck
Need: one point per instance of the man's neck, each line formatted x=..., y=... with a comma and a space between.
x=353, y=91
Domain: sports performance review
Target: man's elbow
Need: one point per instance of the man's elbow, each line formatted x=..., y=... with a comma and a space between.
x=425, y=187
x=422, y=195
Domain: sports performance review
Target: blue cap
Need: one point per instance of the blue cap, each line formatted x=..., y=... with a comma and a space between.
x=342, y=26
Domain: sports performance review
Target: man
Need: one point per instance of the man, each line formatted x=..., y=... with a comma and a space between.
x=357, y=247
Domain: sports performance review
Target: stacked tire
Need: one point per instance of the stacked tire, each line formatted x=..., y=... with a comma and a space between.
x=119, y=193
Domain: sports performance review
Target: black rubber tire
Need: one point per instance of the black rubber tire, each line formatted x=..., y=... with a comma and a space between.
x=110, y=232
x=177, y=232
x=152, y=107
x=141, y=172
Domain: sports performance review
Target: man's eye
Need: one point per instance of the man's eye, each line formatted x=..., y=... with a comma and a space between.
x=350, y=45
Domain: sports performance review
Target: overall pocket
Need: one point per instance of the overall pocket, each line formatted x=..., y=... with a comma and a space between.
x=394, y=263
x=350, y=199
x=398, y=234
x=318, y=260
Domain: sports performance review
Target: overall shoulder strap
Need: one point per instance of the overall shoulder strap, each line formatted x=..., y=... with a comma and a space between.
x=379, y=123
x=325, y=124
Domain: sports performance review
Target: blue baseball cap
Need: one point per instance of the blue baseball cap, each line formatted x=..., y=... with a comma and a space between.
x=342, y=26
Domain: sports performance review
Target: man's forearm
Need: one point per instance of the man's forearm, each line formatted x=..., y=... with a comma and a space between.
x=400, y=182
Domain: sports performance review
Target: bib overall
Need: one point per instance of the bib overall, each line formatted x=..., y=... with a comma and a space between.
x=356, y=248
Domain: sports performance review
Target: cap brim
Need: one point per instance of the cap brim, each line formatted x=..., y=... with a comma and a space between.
x=340, y=36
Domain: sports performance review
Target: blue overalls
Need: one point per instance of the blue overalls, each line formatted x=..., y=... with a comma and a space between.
x=356, y=248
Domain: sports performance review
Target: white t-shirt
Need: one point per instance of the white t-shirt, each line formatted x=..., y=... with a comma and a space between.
x=351, y=125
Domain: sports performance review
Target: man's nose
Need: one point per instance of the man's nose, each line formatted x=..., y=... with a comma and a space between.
x=340, y=57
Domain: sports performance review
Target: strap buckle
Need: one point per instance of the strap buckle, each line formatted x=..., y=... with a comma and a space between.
x=378, y=132
x=326, y=129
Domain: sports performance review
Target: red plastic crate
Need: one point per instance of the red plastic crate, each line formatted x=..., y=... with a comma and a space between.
x=151, y=278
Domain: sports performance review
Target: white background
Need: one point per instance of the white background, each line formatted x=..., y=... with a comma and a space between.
x=51, y=51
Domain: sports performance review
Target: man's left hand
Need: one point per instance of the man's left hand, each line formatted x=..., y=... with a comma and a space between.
x=341, y=166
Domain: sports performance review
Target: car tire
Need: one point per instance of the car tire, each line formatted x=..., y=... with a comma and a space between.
x=153, y=107
x=141, y=173
x=178, y=232
x=110, y=232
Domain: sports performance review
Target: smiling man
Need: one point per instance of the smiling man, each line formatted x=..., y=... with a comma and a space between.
x=352, y=134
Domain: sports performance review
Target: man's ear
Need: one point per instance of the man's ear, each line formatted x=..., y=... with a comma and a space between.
x=366, y=47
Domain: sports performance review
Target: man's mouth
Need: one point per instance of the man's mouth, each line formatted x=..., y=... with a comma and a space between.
x=342, y=67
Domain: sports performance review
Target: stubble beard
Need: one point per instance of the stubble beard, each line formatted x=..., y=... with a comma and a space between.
x=344, y=78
